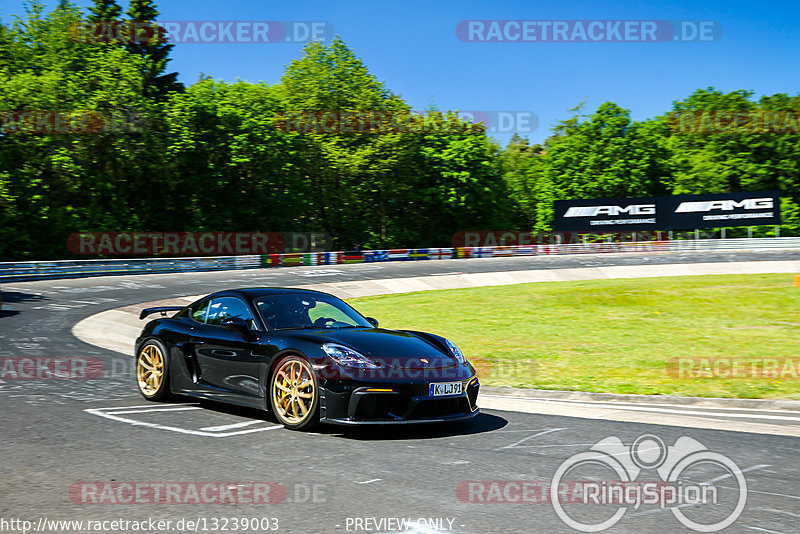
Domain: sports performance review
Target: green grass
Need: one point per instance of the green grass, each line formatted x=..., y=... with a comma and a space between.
x=612, y=335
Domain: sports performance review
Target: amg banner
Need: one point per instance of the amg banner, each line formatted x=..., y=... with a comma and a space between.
x=677, y=212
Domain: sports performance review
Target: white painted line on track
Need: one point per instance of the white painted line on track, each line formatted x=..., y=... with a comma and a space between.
x=145, y=406
x=540, y=433
x=607, y=413
x=111, y=413
x=764, y=492
x=774, y=511
x=729, y=475
x=159, y=410
x=229, y=427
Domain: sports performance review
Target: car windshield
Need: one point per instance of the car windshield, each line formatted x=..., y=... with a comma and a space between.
x=299, y=310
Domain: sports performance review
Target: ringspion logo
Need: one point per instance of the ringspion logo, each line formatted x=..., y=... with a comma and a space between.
x=700, y=505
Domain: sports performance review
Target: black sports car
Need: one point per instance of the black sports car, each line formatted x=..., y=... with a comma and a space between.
x=306, y=356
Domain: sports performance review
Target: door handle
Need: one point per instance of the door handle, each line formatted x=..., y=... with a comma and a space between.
x=228, y=353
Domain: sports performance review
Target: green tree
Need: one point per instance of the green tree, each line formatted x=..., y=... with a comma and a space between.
x=521, y=165
x=339, y=168
x=142, y=10
x=720, y=160
x=105, y=11
x=227, y=167
x=150, y=42
x=57, y=180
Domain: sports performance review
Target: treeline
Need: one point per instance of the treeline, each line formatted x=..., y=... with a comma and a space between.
x=710, y=142
x=99, y=136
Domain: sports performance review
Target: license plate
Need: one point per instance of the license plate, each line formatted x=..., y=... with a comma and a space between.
x=438, y=389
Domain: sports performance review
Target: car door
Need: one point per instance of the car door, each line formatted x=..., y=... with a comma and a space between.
x=227, y=359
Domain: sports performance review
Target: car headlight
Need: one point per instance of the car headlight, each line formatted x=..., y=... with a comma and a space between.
x=348, y=357
x=456, y=351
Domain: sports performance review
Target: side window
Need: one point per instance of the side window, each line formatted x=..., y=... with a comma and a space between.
x=229, y=307
x=199, y=311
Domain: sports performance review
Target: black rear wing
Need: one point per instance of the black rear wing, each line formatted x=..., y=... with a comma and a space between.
x=161, y=309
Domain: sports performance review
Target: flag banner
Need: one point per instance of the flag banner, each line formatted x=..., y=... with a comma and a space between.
x=376, y=255
x=419, y=254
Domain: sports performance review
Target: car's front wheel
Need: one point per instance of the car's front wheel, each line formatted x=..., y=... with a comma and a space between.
x=294, y=394
x=152, y=371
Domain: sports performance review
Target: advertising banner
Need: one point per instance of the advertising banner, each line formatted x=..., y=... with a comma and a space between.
x=677, y=212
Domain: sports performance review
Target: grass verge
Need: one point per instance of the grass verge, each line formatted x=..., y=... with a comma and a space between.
x=619, y=336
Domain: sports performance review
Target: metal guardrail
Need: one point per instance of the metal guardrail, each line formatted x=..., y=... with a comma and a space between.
x=41, y=270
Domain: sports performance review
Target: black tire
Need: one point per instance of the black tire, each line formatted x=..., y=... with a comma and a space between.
x=288, y=401
x=154, y=386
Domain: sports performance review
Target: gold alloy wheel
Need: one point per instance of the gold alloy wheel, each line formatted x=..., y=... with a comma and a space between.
x=150, y=370
x=293, y=394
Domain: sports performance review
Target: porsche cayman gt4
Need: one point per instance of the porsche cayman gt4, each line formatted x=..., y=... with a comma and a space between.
x=305, y=356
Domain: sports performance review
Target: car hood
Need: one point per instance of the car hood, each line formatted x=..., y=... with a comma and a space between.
x=391, y=348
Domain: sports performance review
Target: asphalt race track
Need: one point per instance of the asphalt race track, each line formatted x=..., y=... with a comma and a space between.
x=66, y=442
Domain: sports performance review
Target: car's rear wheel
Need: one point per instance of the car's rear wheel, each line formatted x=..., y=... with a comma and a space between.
x=294, y=394
x=152, y=371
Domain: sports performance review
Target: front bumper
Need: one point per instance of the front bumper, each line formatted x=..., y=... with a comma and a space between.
x=351, y=403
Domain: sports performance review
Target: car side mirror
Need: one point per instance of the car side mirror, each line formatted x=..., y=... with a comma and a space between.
x=235, y=323
x=373, y=321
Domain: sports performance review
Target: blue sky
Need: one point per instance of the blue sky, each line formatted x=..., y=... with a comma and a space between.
x=413, y=47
